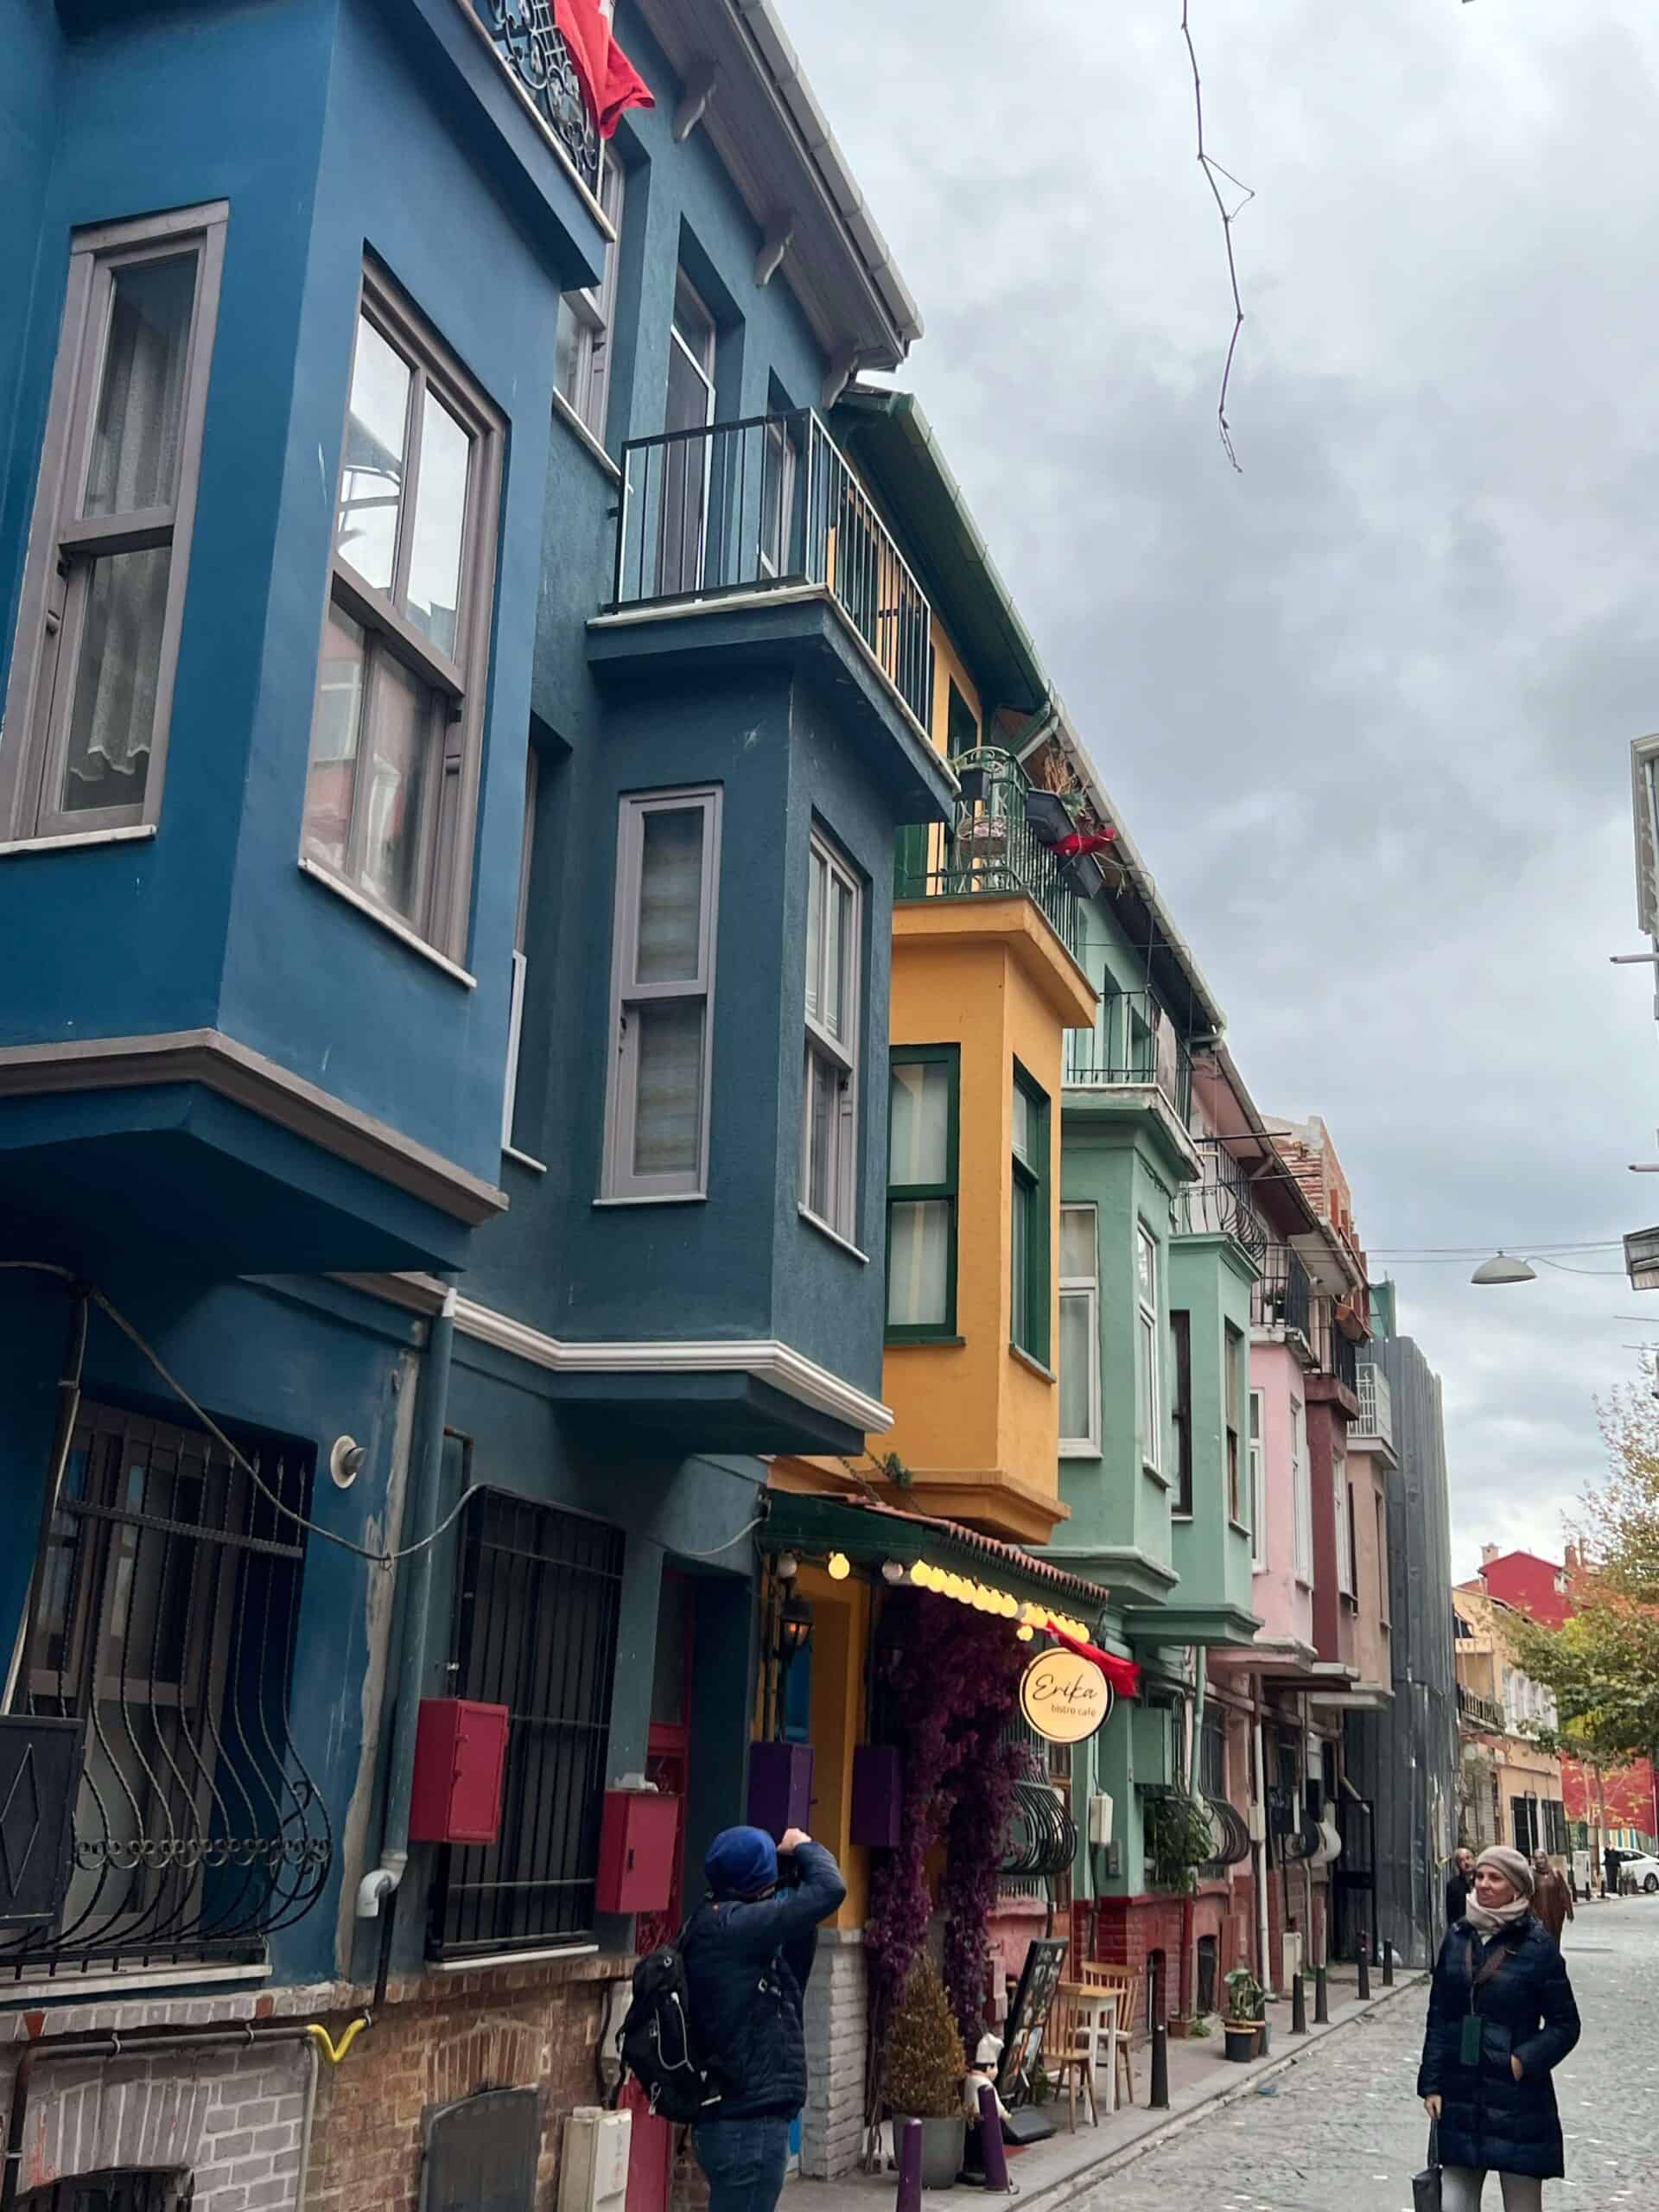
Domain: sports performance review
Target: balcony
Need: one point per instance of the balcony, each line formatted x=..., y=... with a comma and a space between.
x=1375, y=1404
x=991, y=850
x=1283, y=1296
x=1222, y=1205
x=1133, y=1043
x=522, y=34
x=1335, y=1352
x=770, y=505
x=1486, y=1713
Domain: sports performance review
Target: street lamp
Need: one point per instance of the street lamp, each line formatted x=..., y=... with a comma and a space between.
x=1503, y=1267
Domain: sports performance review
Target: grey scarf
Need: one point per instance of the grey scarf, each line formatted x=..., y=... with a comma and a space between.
x=1487, y=1919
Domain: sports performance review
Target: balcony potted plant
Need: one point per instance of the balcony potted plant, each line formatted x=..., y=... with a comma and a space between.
x=1245, y=2026
x=925, y=2066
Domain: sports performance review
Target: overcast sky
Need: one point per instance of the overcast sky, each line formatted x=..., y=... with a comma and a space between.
x=1366, y=707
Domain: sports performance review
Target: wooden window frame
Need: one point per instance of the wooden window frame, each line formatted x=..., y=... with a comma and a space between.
x=1258, y=1465
x=64, y=546
x=1233, y=1409
x=593, y=311
x=1343, y=1496
x=949, y=1057
x=841, y=1053
x=1148, y=1385
x=1301, y=1479
x=1180, y=1412
x=1029, y=1182
x=619, y=1182
x=1084, y=1290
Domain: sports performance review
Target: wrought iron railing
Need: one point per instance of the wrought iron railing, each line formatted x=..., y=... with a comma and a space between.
x=762, y=504
x=990, y=848
x=1283, y=1296
x=1376, y=1403
x=1134, y=1045
x=1222, y=1205
x=1486, y=1713
x=1336, y=1351
x=163, y=1620
x=524, y=34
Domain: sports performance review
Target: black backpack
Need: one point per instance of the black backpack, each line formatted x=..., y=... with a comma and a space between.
x=656, y=2043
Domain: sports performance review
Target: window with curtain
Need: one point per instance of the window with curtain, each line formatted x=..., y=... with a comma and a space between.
x=1258, y=1481
x=1079, y=1332
x=1029, y=1320
x=396, y=740
x=662, y=995
x=581, y=372
x=89, y=698
x=922, y=1147
x=1301, y=1491
x=1180, y=1347
x=829, y=1114
x=1148, y=1395
x=1233, y=1400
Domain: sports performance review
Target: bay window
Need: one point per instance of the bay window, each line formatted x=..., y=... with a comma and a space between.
x=391, y=789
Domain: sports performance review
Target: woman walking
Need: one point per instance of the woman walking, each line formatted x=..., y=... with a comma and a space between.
x=1501, y=2019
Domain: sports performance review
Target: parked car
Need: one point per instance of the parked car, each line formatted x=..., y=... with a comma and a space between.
x=1640, y=1869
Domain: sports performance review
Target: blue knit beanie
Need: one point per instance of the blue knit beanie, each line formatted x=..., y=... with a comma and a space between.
x=740, y=1863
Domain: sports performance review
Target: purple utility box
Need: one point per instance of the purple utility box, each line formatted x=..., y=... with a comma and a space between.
x=780, y=1787
x=878, y=1795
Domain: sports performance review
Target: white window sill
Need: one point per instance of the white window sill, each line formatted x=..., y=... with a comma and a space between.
x=1156, y=1475
x=523, y=1159
x=1026, y=1359
x=834, y=1235
x=1177, y=1514
x=660, y=1199
x=65, y=1988
x=133, y=833
x=1258, y=1567
x=393, y=927
x=1239, y=1528
x=564, y=412
x=514, y=1958
x=1079, y=1449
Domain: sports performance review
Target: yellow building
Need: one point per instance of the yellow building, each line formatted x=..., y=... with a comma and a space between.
x=1510, y=1787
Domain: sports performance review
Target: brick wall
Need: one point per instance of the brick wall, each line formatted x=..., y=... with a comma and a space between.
x=837, y=2022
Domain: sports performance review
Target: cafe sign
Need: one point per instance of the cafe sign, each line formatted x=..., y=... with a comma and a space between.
x=1064, y=1697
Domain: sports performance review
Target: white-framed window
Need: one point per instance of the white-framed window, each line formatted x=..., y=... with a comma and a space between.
x=1079, y=1332
x=1258, y=1458
x=1344, y=1505
x=829, y=1108
x=588, y=319
x=87, y=709
x=663, y=995
x=397, y=739
x=1382, y=1606
x=1301, y=1492
x=1149, y=1418
x=693, y=344
x=520, y=961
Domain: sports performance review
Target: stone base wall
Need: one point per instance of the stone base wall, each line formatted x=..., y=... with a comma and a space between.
x=838, y=2046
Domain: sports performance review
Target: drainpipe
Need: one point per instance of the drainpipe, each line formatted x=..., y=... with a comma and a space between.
x=1189, y=1914
x=1269, y=1981
x=421, y=1513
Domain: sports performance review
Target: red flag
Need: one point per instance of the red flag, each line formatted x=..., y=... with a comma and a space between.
x=610, y=83
x=1122, y=1673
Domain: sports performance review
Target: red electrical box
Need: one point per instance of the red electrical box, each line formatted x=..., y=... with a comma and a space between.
x=638, y=1839
x=461, y=1756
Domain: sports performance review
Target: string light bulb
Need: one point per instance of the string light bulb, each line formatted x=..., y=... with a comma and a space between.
x=839, y=1567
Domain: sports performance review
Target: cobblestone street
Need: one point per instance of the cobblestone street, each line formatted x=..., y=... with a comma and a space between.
x=1343, y=2132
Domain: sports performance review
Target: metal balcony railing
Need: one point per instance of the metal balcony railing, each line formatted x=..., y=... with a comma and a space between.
x=524, y=34
x=1376, y=1403
x=1283, y=1296
x=769, y=504
x=989, y=849
x=1222, y=1205
x=1482, y=1711
x=1133, y=1044
x=1337, y=1353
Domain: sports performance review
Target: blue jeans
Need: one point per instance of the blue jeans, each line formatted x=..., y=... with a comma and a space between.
x=745, y=2161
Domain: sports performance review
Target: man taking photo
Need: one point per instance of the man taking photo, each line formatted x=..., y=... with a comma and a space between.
x=748, y=1951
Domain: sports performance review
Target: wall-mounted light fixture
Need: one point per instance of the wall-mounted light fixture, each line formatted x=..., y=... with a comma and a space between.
x=794, y=1628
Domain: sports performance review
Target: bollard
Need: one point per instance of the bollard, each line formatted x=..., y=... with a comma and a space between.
x=1364, y=1973
x=1388, y=1964
x=1158, y=2096
x=993, y=2156
x=1321, y=1999
x=1298, y=2007
x=910, y=2167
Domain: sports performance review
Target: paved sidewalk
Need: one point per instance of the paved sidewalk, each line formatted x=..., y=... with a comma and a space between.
x=1047, y=2175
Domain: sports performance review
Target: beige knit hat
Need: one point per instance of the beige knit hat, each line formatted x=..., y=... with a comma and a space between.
x=1511, y=1865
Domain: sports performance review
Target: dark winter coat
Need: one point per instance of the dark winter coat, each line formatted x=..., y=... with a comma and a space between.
x=1488, y=2118
x=746, y=1965
x=1458, y=1887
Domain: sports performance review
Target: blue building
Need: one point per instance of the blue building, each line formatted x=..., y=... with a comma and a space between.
x=458, y=707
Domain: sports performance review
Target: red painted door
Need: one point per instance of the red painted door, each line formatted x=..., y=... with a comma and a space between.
x=651, y=2153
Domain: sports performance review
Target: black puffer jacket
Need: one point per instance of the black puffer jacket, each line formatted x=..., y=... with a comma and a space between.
x=746, y=1965
x=1526, y=2010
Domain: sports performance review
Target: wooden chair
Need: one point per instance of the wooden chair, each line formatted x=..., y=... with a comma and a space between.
x=1124, y=1983
x=1066, y=2052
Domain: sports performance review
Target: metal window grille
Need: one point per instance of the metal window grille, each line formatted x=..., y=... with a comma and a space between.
x=112, y=2192
x=1042, y=1839
x=535, y=1629
x=163, y=1618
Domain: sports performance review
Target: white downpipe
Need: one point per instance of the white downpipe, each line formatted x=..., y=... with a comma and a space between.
x=1270, y=1970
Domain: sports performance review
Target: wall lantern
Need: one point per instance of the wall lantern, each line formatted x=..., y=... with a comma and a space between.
x=794, y=1628
x=1642, y=1259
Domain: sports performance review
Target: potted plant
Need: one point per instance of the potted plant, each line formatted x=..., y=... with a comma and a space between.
x=1247, y=2014
x=925, y=2066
